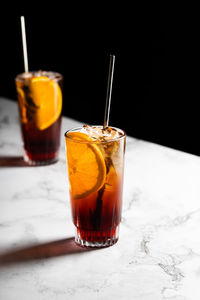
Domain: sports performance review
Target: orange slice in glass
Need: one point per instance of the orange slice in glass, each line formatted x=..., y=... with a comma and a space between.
x=86, y=165
x=22, y=103
x=47, y=96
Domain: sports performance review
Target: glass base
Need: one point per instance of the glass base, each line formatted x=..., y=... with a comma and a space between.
x=31, y=162
x=96, y=239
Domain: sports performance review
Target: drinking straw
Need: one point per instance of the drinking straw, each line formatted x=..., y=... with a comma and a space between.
x=109, y=91
x=24, y=43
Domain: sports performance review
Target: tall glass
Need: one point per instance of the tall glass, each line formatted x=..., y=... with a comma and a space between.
x=95, y=173
x=40, y=105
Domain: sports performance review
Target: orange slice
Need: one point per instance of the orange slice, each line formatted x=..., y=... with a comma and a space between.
x=22, y=103
x=86, y=165
x=47, y=96
x=111, y=179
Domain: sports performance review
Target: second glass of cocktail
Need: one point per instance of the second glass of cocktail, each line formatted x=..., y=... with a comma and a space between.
x=40, y=106
x=95, y=159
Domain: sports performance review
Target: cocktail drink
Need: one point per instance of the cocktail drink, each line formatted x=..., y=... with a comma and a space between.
x=95, y=160
x=40, y=105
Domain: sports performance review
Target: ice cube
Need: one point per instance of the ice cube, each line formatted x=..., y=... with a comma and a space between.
x=111, y=149
x=101, y=134
x=26, y=75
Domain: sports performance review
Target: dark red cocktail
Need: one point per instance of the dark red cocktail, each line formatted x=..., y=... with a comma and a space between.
x=95, y=159
x=40, y=105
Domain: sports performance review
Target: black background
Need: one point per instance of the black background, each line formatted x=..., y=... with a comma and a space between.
x=155, y=88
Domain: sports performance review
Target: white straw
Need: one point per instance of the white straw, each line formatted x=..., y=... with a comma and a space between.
x=109, y=91
x=24, y=44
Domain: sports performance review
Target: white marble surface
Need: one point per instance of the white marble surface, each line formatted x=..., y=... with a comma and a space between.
x=158, y=253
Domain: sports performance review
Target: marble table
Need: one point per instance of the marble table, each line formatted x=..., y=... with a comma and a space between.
x=158, y=253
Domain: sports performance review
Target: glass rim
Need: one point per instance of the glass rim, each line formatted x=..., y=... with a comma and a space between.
x=58, y=76
x=78, y=128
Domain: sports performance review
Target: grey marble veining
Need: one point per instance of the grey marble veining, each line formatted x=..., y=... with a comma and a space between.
x=157, y=256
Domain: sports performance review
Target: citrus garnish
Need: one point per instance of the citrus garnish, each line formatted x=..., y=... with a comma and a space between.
x=86, y=165
x=111, y=179
x=47, y=96
x=22, y=103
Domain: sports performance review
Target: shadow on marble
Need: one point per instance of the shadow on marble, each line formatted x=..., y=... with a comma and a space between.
x=18, y=161
x=42, y=251
x=12, y=161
